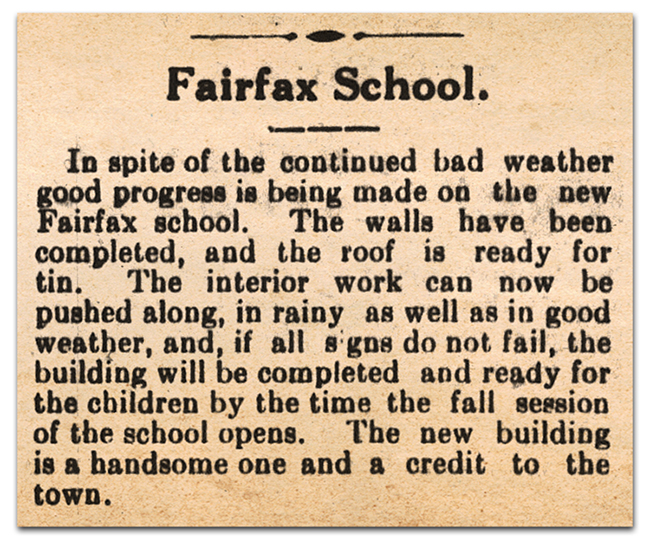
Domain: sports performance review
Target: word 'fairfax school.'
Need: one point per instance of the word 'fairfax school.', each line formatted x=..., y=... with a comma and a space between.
x=350, y=86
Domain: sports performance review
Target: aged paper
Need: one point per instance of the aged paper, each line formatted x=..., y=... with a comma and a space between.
x=340, y=270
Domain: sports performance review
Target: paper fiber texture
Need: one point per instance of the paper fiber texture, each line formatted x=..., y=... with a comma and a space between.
x=325, y=270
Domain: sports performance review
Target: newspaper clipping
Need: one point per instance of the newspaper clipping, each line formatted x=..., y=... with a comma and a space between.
x=325, y=270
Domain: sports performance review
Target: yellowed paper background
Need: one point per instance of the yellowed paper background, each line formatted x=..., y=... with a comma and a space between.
x=99, y=84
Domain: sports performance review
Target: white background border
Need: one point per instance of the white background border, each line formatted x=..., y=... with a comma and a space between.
x=8, y=531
